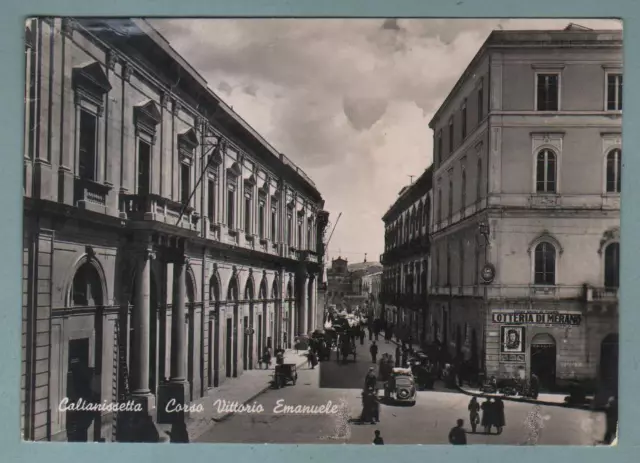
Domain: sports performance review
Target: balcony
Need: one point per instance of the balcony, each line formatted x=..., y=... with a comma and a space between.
x=90, y=195
x=309, y=256
x=155, y=208
x=600, y=294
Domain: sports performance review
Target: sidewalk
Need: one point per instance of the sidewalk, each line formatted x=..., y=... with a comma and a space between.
x=243, y=389
x=555, y=400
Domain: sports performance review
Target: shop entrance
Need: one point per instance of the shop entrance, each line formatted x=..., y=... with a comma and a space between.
x=543, y=360
x=609, y=362
x=79, y=376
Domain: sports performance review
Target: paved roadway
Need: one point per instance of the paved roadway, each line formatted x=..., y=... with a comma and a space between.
x=428, y=422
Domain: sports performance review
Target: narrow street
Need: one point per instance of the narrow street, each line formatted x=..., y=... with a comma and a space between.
x=428, y=422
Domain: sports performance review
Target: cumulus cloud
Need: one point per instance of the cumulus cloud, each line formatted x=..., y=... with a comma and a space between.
x=348, y=100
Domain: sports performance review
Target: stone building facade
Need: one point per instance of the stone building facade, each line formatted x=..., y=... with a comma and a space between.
x=135, y=288
x=406, y=267
x=525, y=235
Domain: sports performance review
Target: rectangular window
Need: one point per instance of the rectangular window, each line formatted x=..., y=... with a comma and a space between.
x=144, y=167
x=463, y=191
x=548, y=92
x=309, y=234
x=88, y=145
x=290, y=229
x=231, y=208
x=476, y=266
x=461, y=265
x=451, y=135
x=481, y=100
x=451, y=199
x=211, y=200
x=448, y=282
x=185, y=183
x=274, y=224
x=261, y=220
x=614, y=92
x=464, y=119
x=300, y=234
x=248, y=206
x=479, y=180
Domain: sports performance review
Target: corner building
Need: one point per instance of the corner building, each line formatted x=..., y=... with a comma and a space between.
x=135, y=289
x=525, y=236
x=405, y=274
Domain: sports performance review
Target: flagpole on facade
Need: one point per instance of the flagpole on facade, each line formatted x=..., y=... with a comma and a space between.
x=212, y=156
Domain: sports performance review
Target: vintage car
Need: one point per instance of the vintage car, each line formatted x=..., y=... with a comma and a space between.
x=401, y=386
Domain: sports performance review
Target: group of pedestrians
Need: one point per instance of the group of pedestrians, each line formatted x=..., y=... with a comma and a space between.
x=492, y=414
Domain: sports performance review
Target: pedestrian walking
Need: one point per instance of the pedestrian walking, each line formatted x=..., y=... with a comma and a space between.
x=611, y=414
x=499, y=414
x=374, y=352
x=370, y=333
x=378, y=439
x=361, y=336
x=267, y=358
x=486, y=416
x=398, y=356
x=457, y=435
x=535, y=385
x=370, y=381
x=474, y=415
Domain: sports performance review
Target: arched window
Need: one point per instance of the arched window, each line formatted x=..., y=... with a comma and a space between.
x=545, y=264
x=86, y=289
x=232, y=292
x=614, y=162
x=546, y=172
x=612, y=265
x=248, y=290
x=214, y=289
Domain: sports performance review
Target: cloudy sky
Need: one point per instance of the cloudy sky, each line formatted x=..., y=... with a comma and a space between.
x=348, y=100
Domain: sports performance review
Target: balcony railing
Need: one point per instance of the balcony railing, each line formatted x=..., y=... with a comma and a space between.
x=87, y=192
x=156, y=208
x=600, y=294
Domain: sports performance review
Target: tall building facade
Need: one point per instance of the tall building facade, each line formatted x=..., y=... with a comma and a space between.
x=525, y=235
x=372, y=289
x=406, y=267
x=135, y=288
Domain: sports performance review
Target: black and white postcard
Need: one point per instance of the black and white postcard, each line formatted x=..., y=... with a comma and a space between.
x=303, y=231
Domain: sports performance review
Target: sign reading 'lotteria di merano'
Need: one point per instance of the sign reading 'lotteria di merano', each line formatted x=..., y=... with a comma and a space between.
x=538, y=318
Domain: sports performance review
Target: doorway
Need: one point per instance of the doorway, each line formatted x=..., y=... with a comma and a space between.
x=228, y=348
x=245, y=344
x=543, y=360
x=260, y=339
x=210, y=353
x=79, y=376
x=609, y=362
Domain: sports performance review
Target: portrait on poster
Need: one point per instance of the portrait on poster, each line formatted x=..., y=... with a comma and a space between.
x=512, y=339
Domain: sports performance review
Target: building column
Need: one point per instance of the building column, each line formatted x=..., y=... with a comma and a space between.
x=313, y=286
x=178, y=320
x=141, y=324
x=302, y=305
